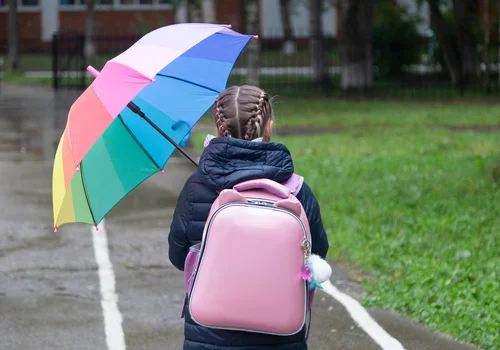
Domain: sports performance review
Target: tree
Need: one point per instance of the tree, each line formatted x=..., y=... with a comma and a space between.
x=194, y=11
x=13, y=36
x=486, y=50
x=356, y=17
x=89, y=48
x=208, y=11
x=289, y=46
x=253, y=49
x=458, y=39
x=316, y=42
x=395, y=40
x=467, y=22
x=446, y=43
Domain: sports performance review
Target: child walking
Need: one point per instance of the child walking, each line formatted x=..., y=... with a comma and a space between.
x=241, y=151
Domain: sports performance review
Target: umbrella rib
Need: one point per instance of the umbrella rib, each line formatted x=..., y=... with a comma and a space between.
x=134, y=108
x=188, y=82
x=137, y=141
x=85, y=192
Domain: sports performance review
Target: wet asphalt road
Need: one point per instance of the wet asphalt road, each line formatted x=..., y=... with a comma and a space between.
x=49, y=288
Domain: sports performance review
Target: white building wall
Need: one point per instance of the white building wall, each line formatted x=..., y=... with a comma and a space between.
x=271, y=19
x=49, y=19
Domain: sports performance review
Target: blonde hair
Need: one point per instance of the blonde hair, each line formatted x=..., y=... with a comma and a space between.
x=242, y=112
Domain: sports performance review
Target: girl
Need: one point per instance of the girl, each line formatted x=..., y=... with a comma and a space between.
x=241, y=151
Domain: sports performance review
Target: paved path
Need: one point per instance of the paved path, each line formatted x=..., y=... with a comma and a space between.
x=80, y=290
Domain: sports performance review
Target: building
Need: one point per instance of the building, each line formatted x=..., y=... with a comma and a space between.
x=40, y=19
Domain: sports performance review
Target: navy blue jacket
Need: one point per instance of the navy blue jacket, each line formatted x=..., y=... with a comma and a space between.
x=225, y=162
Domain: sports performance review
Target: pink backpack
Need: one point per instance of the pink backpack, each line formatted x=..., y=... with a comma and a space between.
x=247, y=273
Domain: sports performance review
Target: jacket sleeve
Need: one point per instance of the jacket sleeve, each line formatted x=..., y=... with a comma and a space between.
x=319, y=238
x=178, y=241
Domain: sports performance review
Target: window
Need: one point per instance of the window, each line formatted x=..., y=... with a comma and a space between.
x=144, y=2
x=26, y=5
x=82, y=2
x=118, y=4
x=22, y=3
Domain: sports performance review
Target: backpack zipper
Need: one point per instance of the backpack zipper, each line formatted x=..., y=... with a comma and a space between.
x=268, y=204
x=272, y=207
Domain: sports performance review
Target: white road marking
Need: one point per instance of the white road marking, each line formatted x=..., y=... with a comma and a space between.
x=115, y=339
x=363, y=318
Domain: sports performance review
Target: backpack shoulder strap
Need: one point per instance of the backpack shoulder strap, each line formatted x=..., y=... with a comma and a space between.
x=294, y=183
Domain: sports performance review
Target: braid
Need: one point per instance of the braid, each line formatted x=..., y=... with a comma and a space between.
x=255, y=122
x=220, y=119
x=252, y=127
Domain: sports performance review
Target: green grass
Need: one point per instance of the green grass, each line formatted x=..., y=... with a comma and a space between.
x=293, y=85
x=415, y=206
x=21, y=79
x=418, y=209
x=331, y=113
x=316, y=114
x=269, y=58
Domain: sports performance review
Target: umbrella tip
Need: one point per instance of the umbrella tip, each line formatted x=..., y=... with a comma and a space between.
x=93, y=71
x=229, y=26
x=55, y=229
x=255, y=36
x=162, y=171
x=77, y=168
x=96, y=227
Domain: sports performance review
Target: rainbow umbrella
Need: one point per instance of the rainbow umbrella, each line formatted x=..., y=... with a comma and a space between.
x=141, y=106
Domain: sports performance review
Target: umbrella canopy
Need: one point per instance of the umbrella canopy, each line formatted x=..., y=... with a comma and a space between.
x=127, y=123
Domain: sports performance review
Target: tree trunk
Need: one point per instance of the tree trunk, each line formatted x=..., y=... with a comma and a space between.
x=208, y=11
x=356, y=18
x=448, y=49
x=13, y=36
x=289, y=46
x=253, y=48
x=486, y=50
x=89, y=49
x=194, y=11
x=466, y=13
x=181, y=11
x=316, y=42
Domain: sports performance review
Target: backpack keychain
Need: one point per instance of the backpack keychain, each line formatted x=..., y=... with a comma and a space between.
x=315, y=270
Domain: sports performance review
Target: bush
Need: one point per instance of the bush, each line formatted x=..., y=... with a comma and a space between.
x=396, y=41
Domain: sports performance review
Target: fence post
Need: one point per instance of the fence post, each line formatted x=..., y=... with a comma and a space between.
x=1, y=72
x=83, y=63
x=55, y=63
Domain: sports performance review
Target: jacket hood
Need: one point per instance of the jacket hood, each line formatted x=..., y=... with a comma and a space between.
x=227, y=161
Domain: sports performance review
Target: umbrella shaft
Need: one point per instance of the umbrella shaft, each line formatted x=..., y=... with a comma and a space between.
x=135, y=108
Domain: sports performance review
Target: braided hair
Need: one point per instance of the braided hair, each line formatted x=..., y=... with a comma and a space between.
x=242, y=112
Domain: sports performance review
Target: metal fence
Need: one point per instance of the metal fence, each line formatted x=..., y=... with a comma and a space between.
x=292, y=74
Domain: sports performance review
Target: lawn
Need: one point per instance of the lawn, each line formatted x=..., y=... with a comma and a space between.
x=302, y=87
x=316, y=113
x=332, y=114
x=414, y=205
x=269, y=58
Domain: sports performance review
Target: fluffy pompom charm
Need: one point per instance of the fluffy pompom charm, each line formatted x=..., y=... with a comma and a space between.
x=316, y=271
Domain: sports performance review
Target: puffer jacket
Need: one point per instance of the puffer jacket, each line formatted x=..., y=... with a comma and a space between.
x=225, y=162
